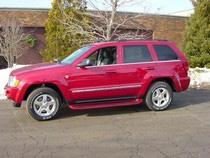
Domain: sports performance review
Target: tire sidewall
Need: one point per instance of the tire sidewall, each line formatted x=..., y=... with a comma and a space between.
x=37, y=93
x=155, y=86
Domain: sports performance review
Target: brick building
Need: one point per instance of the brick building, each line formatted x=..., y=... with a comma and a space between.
x=166, y=27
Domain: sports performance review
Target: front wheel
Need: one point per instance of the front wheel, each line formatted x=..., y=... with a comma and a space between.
x=159, y=96
x=43, y=104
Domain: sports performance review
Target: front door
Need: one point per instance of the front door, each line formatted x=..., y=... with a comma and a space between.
x=100, y=80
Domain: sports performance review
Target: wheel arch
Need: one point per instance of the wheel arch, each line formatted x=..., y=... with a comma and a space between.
x=49, y=85
x=167, y=80
x=147, y=84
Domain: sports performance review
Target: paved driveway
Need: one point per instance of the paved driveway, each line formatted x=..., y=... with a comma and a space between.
x=181, y=131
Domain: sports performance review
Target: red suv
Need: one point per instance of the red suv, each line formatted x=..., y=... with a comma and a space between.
x=108, y=74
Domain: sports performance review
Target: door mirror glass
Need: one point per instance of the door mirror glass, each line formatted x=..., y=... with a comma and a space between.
x=85, y=62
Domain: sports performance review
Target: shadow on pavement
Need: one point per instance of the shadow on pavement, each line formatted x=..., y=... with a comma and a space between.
x=66, y=112
x=189, y=97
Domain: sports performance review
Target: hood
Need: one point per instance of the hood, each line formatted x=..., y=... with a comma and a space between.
x=36, y=67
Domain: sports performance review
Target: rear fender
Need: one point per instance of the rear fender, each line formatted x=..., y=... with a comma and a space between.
x=150, y=78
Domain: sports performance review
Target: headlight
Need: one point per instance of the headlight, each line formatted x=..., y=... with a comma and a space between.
x=13, y=82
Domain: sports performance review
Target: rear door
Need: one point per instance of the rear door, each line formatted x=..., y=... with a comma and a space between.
x=137, y=64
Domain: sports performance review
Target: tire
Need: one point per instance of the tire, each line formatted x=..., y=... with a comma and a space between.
x=159, y=96
x=43, y=104
x=16, y=105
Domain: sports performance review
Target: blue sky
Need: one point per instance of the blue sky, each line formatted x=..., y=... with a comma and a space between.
x=166, y=6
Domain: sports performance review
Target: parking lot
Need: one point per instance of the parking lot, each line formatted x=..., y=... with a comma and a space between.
x=181, y=131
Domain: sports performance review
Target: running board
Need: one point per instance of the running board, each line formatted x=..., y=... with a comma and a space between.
x=102, y=100
x=106, y=104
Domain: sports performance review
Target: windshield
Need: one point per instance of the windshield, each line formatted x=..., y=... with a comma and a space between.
x=71, y=58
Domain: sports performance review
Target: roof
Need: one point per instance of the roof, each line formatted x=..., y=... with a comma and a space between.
x=182, y=13
x=35, y=17
x=147, y=14
x=25, y=9
x=27, y=17
x=132, y=41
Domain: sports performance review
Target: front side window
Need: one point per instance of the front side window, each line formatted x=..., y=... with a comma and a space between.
x=75, y=55
x=103, y=56
x=164, y=52
x=133, y=54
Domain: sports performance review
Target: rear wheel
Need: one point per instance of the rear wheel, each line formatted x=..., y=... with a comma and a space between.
x=43, y=104
x=159, y=96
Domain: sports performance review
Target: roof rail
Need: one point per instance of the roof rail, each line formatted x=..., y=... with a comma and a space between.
x=161, y=40
x=124, y=40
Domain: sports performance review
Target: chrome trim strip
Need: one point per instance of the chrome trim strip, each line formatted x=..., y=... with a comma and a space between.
x=104, y=89
x=154, y=62
x=168, y=61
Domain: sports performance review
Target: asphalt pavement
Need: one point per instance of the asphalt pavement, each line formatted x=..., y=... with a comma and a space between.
x=124, y=132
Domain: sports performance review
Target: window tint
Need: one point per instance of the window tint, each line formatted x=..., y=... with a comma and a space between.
x=103, y=56
x=133, y=54
x=165, y=53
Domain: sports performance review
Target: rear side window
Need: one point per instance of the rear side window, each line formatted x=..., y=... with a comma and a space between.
x=133, y=54
x=165, y=53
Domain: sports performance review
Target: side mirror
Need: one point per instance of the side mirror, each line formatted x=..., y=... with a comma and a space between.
x=84, y=63
x=56, y=60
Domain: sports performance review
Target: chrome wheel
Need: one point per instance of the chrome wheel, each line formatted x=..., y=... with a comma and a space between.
x=44, y=105
x=160, y=97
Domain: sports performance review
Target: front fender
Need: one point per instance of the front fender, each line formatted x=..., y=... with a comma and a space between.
x=25, y=84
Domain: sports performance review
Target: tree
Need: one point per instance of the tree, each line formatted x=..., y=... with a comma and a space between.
x=106, y=25
x=59, y=43
x=196, y=44
x=11, y=38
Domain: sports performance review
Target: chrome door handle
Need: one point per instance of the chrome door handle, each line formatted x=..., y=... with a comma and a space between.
x=111, y=71
x=149, y=68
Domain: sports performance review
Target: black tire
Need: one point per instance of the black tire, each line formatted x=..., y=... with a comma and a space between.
x=16, y=105
x=152, y=91
x=40, y=93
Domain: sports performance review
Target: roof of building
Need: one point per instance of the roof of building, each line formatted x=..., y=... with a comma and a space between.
x=27, y=17
x=185, y=13
x=35, y=17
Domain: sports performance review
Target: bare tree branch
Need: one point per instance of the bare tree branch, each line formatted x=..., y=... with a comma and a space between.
x=11, y=37
x=106, y=25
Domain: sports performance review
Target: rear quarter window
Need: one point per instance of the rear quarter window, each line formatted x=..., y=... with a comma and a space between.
x=164, y=53
x=133, y=54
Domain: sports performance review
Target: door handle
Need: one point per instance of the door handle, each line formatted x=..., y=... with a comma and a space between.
x=111, y=71
x=149, y=68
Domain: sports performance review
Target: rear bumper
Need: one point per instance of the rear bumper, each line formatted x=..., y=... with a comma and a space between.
x=185, y=82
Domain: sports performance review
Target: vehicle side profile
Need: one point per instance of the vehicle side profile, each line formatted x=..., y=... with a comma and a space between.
x=107, y=74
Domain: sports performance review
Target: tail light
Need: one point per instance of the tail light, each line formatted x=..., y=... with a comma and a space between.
x=186, y=67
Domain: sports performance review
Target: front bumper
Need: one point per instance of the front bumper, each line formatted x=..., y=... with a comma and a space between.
x=13, y=94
